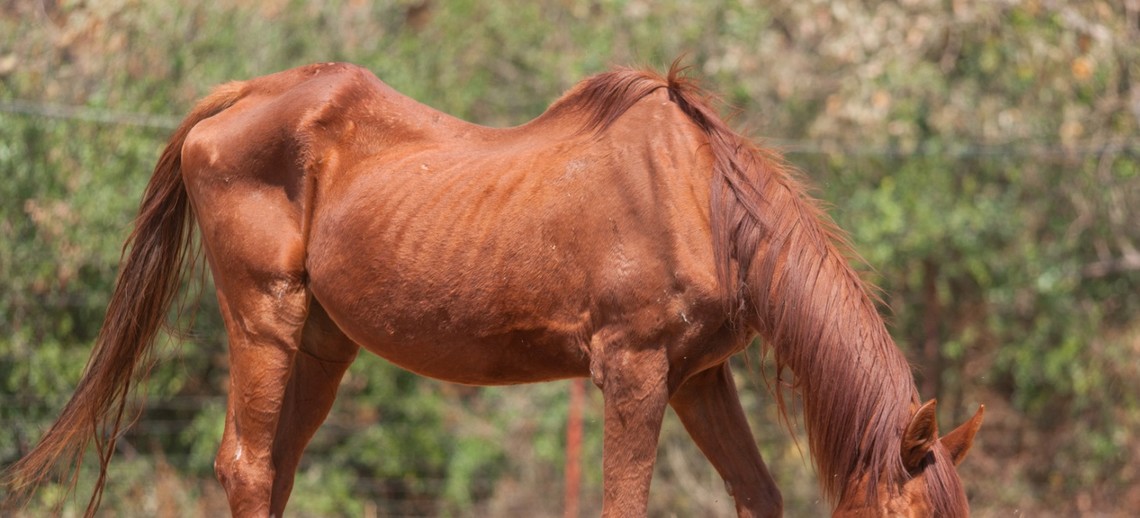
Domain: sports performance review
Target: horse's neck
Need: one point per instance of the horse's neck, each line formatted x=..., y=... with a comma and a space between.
x=822, y=323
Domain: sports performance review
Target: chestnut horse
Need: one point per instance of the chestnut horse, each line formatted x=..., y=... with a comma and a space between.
x=627, y=235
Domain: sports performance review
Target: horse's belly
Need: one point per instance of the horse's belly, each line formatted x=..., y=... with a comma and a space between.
x=499, y=361
x=452, y=334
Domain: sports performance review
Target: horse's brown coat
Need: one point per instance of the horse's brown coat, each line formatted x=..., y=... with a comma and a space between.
x=627, y=235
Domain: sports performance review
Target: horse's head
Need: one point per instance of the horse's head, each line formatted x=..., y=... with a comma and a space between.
x=931, y=487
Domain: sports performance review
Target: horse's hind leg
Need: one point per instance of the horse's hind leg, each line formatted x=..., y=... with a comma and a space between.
x=264, y=321
x=318, y=367
x=256, y=251
x=286, y=361
x=710, y=409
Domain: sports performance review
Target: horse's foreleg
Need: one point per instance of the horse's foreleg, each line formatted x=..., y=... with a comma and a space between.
x=636, y=393
x=710, y=409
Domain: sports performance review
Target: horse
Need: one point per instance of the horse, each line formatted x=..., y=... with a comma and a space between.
x=627, y=235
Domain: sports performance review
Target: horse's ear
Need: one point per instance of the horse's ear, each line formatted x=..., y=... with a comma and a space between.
x=920, y=436
x=958, y=442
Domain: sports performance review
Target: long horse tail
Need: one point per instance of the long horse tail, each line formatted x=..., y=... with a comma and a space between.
x=159, y=249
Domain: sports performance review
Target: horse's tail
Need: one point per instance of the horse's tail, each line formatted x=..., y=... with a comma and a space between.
x=159, y=248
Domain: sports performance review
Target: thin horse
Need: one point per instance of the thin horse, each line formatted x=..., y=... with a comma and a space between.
x=626, y=235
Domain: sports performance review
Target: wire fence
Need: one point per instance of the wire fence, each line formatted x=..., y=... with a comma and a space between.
x=1043, y=147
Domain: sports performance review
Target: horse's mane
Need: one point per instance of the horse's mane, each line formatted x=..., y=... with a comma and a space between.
x=776, y=248
x=602, y=98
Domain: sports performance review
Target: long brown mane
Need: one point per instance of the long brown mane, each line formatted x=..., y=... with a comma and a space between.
x=785, y=268
x=814, y=311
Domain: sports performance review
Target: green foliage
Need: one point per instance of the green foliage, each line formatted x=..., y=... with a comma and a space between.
x=983, y=156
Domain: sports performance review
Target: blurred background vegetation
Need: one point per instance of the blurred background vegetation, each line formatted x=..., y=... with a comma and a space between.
x=983, y=155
